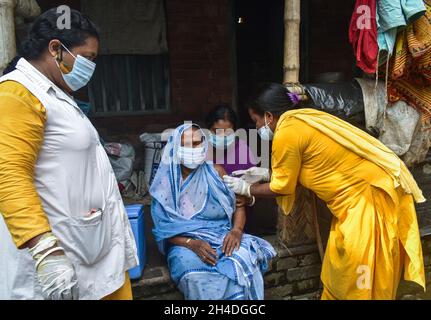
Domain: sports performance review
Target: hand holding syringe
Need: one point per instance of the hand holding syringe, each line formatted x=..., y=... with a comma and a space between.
x=254, y=175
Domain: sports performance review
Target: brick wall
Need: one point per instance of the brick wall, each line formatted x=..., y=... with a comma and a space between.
x=198, y=39
x=293, y=275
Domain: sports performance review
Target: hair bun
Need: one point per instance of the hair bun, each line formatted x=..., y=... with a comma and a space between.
x=28, y=46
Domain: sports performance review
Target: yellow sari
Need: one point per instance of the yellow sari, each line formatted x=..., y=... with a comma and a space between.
x=370, y=192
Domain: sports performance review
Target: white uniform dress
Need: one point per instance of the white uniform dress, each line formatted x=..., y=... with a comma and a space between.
x=72, y=176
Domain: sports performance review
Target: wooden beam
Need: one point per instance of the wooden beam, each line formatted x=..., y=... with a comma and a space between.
x=9, y=9
x=27, y=8
x=303, y=222
x=7, y=33
x=292, y=22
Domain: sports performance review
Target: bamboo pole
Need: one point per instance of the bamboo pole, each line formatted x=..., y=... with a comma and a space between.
x=27, y=8
x=291, y=68
x=9, y=9
x=291, y=228
x=7, y=33
x=292, y=22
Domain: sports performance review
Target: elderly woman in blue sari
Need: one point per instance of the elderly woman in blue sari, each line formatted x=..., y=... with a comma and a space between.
x=199, y=227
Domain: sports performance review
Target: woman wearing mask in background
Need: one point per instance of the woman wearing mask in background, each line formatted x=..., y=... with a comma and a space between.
x=229, y=151
x=370, y=192
x=199, y=228
x=59, y=198
x=232, y=153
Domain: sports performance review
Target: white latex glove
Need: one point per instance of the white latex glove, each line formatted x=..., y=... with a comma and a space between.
x=57, y=278
x=238, y=185
x=254, y=175
x=55, y=273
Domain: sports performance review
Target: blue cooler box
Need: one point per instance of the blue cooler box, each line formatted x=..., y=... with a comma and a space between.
x=136, y=218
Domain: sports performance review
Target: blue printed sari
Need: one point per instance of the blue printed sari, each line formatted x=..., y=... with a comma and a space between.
x=201, y=207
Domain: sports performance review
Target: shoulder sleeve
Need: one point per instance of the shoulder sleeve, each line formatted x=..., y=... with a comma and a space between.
x=22, y=123
x=289, y=143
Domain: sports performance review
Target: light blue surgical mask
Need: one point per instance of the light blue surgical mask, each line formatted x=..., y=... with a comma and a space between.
x=222, y=142
x=80, y=76
x=265, y=132
x=191, y=158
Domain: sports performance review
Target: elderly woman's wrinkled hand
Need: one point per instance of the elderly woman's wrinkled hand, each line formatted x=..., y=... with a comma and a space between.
x=232, y=242
x=204, y=251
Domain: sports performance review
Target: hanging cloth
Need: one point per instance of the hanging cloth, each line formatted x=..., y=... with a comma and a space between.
x=392, y=15
x=363, y=35
x=410, y=66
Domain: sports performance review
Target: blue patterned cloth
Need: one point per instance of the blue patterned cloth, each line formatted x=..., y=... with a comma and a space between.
x=392, y=15
x=201, y=207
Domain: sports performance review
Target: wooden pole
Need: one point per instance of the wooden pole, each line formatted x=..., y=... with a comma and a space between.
x=293, y=228
x=292, y=22
x=27, y=8
x=7, y=33
x=9, y=9
x=305, y=207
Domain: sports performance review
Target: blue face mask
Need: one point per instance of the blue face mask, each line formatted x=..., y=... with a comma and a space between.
x=222, y=142
x=83, y=70
x=265, y=132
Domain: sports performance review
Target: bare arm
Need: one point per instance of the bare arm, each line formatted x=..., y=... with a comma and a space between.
x=239, y=219
x=263, y=191
x=232, y=241
x=181, y=241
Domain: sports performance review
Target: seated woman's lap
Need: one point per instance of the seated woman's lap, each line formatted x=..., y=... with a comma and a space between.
x=181, y=259
x=198, y=280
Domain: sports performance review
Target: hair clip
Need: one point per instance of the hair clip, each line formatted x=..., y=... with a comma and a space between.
x=294, y=97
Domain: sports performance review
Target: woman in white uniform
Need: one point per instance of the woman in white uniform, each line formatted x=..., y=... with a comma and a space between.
x=64, y=231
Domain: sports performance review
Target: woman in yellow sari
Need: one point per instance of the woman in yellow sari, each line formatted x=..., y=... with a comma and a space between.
x=374, y=234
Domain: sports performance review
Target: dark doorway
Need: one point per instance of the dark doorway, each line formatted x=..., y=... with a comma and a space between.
x=259, y=32
x=259, y=29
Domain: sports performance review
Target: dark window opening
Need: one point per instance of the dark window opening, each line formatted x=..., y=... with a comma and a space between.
x=130, y=84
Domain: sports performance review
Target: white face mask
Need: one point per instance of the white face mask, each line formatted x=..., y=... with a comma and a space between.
x=191, y=158
x=265, y=132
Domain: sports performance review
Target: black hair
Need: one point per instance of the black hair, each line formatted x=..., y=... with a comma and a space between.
x=221, y=112
x=271, y=97
x=44, y=29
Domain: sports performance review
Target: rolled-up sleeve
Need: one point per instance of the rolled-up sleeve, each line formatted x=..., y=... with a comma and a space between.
x=22, y=123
